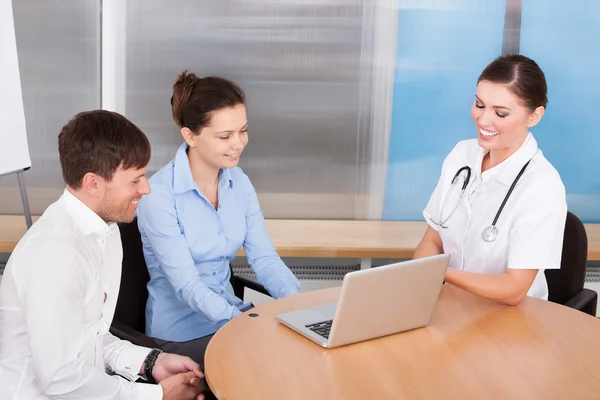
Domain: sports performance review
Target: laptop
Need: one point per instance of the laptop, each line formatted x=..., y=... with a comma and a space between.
x=375, y=302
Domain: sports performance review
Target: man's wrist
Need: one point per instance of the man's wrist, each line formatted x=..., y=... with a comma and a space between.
x=149, y=362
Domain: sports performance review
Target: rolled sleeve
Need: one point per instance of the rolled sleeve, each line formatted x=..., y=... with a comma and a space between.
x=434, y=205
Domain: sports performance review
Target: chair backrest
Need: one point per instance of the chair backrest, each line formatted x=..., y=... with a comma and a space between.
x=566, y=282
x=131, y=305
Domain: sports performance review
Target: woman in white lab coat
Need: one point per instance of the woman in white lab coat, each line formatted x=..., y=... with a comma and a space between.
x=499, y=208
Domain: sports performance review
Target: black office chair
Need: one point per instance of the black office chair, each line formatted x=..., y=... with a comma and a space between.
x=129, y=322
x=565, y=285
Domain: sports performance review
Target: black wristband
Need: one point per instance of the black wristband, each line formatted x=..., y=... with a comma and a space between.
x=149, y=363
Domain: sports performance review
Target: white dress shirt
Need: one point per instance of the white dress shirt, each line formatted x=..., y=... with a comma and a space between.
x=530, y=227
x=57, y=301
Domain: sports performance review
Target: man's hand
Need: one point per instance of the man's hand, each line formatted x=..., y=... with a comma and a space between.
x=168, y=365
x=184, y=386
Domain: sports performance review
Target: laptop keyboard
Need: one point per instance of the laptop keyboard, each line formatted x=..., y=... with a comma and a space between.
x=322, y=328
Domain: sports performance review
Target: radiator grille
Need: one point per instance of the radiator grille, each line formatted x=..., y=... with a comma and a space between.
x=3, y=261
x=307, y=272
x=592, y=274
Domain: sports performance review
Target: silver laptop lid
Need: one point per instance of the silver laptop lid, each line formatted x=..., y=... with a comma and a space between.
x=389, y=299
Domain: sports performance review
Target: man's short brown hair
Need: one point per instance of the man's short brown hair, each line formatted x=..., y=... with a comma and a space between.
x=100, y=142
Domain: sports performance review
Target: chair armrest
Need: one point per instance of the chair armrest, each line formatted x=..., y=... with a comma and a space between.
x=246, y=281
x=585, y=301
x=124, y=332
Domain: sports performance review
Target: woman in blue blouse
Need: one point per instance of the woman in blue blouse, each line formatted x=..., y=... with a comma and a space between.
x=202, y=209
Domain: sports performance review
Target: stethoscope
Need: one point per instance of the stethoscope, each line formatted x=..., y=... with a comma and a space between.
x=490, y=233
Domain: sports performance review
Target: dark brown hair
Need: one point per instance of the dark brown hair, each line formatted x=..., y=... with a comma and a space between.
x=100, y=142
x=523, y=77
x=194, y=99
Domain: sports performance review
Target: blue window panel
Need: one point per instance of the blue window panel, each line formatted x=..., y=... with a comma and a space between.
x=442, y=48
x=563, y=38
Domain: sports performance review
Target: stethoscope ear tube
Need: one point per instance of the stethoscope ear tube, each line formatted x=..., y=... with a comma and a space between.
x=442, y=221
x=467, y=179
x=509, y=192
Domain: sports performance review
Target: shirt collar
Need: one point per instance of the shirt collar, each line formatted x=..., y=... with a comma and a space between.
x=225, y=179
x=507, y=170
x=84, y=217
x=183, y=180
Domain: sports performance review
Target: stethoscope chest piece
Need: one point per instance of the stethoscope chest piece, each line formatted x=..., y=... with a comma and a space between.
x=490, y=233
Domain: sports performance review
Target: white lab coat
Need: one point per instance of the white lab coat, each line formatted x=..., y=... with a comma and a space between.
x=530, y=227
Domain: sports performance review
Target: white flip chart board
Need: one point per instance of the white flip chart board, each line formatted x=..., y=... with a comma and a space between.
x=14, y=152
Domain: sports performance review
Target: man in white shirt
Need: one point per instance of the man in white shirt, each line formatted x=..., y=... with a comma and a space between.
x=60, y=287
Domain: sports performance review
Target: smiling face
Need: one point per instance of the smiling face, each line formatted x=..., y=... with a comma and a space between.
x=220, y=143
x=120, y=195
x=501, y=119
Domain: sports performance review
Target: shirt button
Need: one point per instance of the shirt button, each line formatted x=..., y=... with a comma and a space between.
x=222, y=291
x=214, y=273
x=221, y=258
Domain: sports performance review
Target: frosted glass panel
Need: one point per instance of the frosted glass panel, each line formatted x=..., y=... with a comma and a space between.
x=301, y=67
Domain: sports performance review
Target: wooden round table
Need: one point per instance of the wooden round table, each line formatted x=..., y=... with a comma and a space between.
x=472, y=349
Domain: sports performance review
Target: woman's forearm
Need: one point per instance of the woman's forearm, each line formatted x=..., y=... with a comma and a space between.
x=427, y=249
x=507, y=288
x=430, y=245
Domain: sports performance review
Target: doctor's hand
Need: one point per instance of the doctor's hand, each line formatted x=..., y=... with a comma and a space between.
x=168, y=365
x=184, y=386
